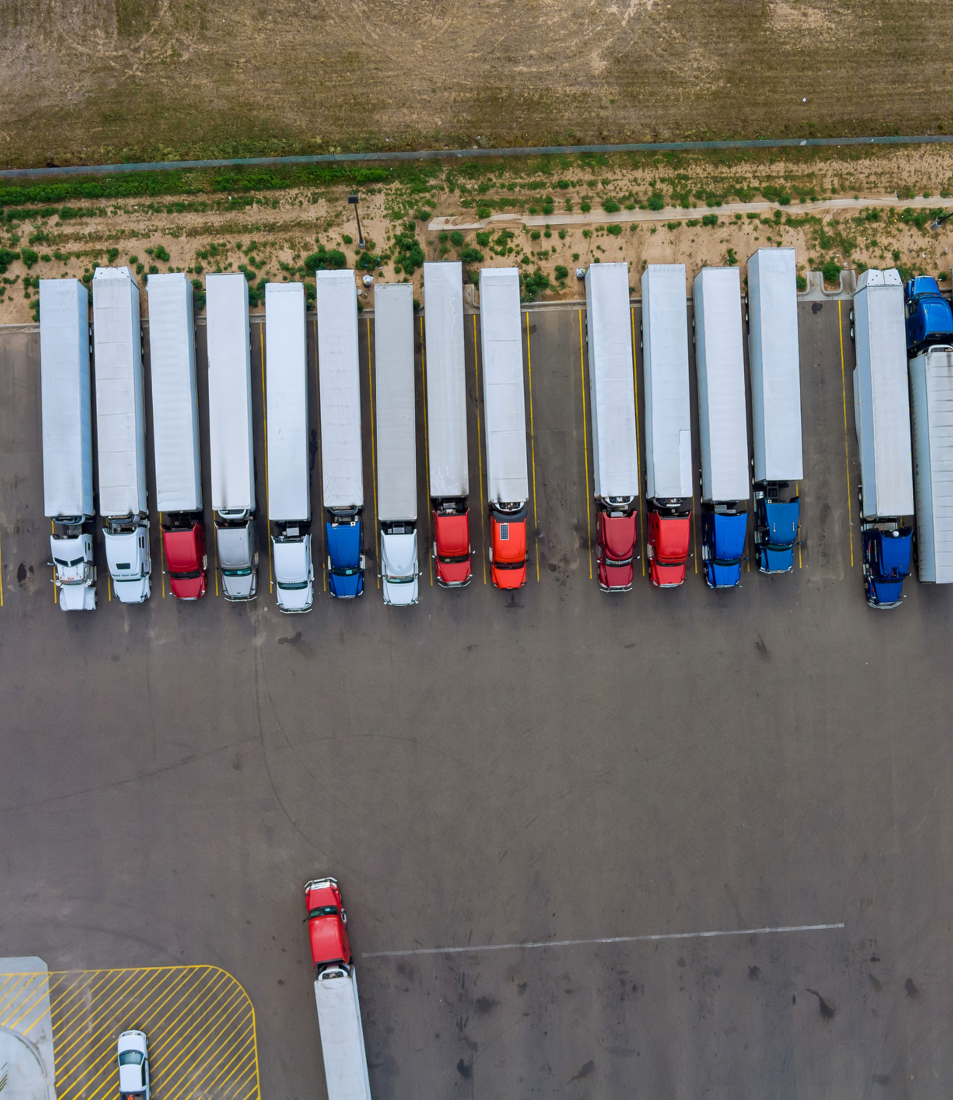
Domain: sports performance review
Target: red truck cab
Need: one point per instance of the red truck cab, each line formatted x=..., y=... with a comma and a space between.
x=186, y=560
x=451, y=547
x=508, y=548
x=327, y=923
x=615, y=550
x=667, y=543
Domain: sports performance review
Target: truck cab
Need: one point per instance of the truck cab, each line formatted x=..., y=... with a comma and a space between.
x=508, y=547
x=723, y=545
x=238, y=559
x=130, y=560
x=667, y=542
x=887, y=550
x=615, y=547
x=451, y=544
x=776, y=528
x=74, y=573
x=185, y=558
x=929, y=318
x=294, y=571
x=345, y=536
x=399, y=567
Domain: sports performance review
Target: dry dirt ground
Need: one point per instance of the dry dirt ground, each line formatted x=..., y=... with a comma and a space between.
x=271, y=238
x=96, y=80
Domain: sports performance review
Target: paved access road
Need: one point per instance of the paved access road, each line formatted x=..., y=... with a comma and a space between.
x=487, y=769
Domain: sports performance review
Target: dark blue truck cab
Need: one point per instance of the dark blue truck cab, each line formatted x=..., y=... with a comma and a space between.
x=776, y=527
x=345, y=538
x=887, y=550
x=723, y=544
x=929, y=318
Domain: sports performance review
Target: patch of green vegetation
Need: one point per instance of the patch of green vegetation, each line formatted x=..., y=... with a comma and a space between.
x=801, y=282
x=709, y=219
x=29, y=257
x=532, y=285
x=325, y=259
x=471, y=256
x=656, y=201
x=610, y=206
x=410, y=255
x=614, y=230
x=562, y=272
x=831, y=271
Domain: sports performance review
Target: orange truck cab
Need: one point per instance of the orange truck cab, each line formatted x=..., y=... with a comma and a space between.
x=508, y=547
x=451, y=545
x=667, y=543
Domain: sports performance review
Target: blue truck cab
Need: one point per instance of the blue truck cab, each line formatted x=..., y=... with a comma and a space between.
x=776, y=528
x=929, y=317
x=345, y=537
x=887, y=552
x=723, y=545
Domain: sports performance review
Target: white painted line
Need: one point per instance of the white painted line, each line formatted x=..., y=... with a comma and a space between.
x=608, y=939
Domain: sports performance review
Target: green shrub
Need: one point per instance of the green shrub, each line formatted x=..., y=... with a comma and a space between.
x=483, y=212
x=7, y=256
x=562, y=272
x=483, y=239
x=112, y=254
x=585, y=206
x=471, y=256
x=562, y=234
x=456, y=238
x=801, y=282
x=548, y=205
x=324, y=259
x=153, y=269
x=832, y=270
x=344, y=237
x=656, y=201
x=29, y=257
x=731, y=258
x=709, y=219
x=563, y=185
x=614, y=230
x=610, y=206
x=410, y=255
x=535, y=235
x=532, y=285
x=45, y=258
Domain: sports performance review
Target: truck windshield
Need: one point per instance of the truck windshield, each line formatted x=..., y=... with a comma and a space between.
x=236, y=572
x=131, y=1058
x=289, y=587
x=323, y=911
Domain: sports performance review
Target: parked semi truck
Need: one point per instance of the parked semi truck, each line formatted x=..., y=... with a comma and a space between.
x=615, y=452
x=230, y=433
x=931, y=403
x=68, y=439
x=289, y=465
x=504, y=413
x=668, y=422
x=773, y=359
x=882, y=421
x=121, y=432
x=929, y=318
x=723, y=423
x=175, y=433
x=396, y=442
x=447, y=422
x=339, y=383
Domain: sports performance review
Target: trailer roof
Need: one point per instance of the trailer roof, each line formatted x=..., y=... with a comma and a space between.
x=446, y=380
x=931, y=389
x=286, y=389
x=339, y=382
x=668, y=416
x=615, y=452
x=503, y=398
x=229, y=393
x=882, y=402
x=775, y=367
x=65, y=396
x=395, y=402
x=720, y=368
x=175, y=412
x=120, y=406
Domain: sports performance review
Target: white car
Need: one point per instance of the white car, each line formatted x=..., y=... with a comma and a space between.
x=133, y=1052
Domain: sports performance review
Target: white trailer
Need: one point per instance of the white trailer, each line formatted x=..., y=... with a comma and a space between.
x=615, y=452
x=342, y=1036
x=175, y=407
x=121, y=431
x=68, y=439
x=289, y=467
x=931, y=391
x=720, y=371
x=446, y=382
x=881, y=398
x=504, y=406
x=668, y=415
x=231, y=445
x=774, y=364
x=396, y=441
x=342, y=459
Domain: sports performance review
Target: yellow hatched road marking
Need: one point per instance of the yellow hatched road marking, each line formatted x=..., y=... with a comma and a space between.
x=199, y=1021
x=585, y=443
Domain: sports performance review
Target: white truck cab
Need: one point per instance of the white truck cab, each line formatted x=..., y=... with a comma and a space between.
x=73, y=571
x=294, y=571
x=399, y=567
x=238, y=560
x=130, y=562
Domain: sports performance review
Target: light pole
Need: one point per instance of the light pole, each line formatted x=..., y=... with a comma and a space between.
x=352, y=201
x=939, y=221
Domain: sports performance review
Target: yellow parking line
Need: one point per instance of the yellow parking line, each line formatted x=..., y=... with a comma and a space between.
x=370, y=382
x=264, y=416
x=423, y=371
x=476, y=370
x=585, y=444
x=635, y=376
x=532, y=442
x=843, y=385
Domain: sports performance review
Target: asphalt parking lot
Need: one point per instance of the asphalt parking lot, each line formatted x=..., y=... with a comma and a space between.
x=488, y=769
